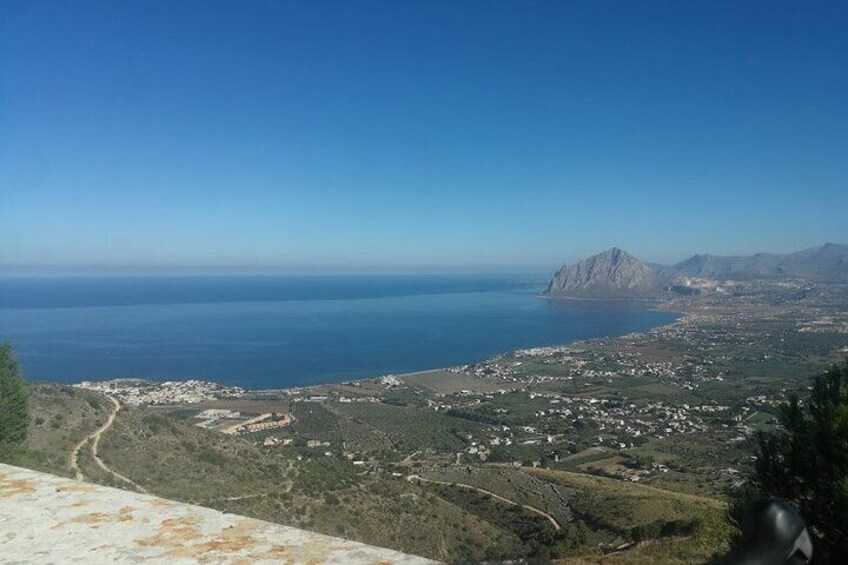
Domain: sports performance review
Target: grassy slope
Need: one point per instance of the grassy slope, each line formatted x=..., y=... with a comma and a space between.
x=708, y=543
x=625, y=505
x=178, y=460
x=510, y=483
x=387, y=513
x=411, y=430
x=611, y=509
x=60, y=417
x=619, y=506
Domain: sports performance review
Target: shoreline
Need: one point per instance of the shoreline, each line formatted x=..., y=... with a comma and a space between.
x=682, y=316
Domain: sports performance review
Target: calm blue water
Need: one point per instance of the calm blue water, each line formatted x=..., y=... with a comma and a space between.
x=269, y=332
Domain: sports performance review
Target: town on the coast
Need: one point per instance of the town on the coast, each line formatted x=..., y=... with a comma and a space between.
x=673, y=406
x=632, y=447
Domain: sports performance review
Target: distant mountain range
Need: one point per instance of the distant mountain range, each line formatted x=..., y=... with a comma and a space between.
x=616, y=273
x=828, y=261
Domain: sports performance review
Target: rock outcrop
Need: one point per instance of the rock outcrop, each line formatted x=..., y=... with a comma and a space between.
x=613, y=273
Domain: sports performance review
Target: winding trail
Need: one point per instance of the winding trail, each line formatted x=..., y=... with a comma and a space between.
x=94, y=438
x=248, y=496
x=542, y=513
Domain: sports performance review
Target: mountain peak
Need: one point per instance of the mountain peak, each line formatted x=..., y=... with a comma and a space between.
x=615, y=252
x=611, y=272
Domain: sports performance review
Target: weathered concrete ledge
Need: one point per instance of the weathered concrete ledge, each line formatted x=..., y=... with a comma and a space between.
x=49, y=519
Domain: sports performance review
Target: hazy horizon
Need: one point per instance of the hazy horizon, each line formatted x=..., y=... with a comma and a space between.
x=529, y=270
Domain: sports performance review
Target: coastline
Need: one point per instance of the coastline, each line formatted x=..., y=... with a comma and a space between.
x=682, y=317
x=656, y=304
x=270, y=345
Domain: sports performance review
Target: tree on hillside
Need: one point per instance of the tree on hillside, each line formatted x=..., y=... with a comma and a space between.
x=14, y=418
x=805, y=462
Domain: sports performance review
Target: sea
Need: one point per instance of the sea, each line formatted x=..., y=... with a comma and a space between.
x=262, y=332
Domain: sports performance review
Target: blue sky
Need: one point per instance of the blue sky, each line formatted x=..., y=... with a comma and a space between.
x=418, y=135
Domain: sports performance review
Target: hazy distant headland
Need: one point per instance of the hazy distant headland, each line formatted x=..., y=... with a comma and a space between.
x=616, y=273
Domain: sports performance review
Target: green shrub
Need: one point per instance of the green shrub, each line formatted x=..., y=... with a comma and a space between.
x=805, y=461
x=14, y=415
x=212, y=457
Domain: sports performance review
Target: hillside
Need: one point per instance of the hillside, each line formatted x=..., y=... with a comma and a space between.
x=613, y=272
x=166, y=454
x=60, y=417
x=830, y=261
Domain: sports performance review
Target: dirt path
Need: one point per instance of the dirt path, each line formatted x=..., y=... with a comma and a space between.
x=408, y=459
x=542, y=513
x=73, y=460
x=248, y=496
x=94, y=438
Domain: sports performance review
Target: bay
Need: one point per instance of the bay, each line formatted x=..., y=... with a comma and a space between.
x=282, y=331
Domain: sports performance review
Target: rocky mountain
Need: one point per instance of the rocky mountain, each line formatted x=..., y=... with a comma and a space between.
x=611, y=273
x=829, y=261
x=615, y=273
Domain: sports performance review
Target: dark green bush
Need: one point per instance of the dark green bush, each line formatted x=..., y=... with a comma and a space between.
x=14, y=415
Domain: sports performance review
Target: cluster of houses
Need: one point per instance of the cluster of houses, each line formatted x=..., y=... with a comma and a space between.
x=260, y=423
x=617, y=422
x=137, y=392
x=232, y=422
